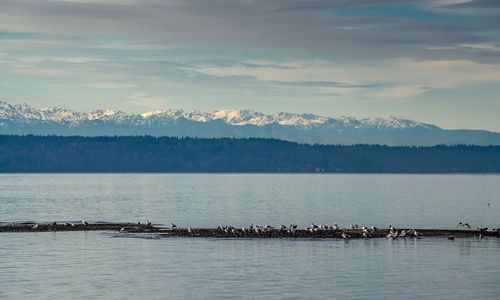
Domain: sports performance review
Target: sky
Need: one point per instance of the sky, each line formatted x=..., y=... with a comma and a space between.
x=431, y=61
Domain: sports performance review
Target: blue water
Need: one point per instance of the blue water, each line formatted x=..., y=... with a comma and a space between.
x=107, y=265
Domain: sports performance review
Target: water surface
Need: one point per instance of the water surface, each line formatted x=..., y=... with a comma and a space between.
x=109, y=265
x=94, y=265
x=205, y=200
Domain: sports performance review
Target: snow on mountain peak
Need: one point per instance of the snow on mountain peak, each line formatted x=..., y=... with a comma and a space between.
x=233, y=117
x=390, y=122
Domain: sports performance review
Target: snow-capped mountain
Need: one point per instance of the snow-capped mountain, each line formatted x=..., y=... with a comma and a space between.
x=309, y=128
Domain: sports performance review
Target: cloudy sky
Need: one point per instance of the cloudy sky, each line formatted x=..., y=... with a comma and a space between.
x=432, y=61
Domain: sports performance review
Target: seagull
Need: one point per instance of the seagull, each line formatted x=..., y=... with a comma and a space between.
x=416, y=233
x=345, y=236
x=148, y=223
x=392, y=235
x=35, y=226
x=172, y=225
x=189, y=230
x=335, y=226
x=85, y=223
x=402, y=233
x=123, y=229
x=65, y=224
x=365, y=234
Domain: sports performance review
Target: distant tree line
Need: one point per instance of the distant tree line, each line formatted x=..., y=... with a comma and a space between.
x=171, y=154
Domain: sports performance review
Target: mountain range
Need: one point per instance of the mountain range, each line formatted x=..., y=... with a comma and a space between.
x=304, y=128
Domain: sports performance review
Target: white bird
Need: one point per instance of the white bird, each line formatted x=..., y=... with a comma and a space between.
x=402, y=233
x=416, y=233
x=123, y=229
x=35, y=226
x=374, y=228
x=85, y=223
x=148, y=223
x=365, y=234
x=189, y=230
x=335, y=226
x=345, y=236
x=172, y=225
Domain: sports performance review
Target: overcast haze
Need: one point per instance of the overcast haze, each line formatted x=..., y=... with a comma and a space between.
x=431, y=61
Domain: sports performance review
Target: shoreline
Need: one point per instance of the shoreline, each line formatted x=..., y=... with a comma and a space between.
x=218, y=233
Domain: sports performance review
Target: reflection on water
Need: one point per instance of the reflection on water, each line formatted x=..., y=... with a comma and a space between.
x=102, y=266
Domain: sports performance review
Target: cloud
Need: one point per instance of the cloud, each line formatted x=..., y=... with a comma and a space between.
x=294, y=27
x=401, y=92
x=109, y=85
x=481, y=47
x=398, y=79
x=144, y=101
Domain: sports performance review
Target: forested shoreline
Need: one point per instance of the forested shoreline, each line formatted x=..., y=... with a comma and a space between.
x=32, y=154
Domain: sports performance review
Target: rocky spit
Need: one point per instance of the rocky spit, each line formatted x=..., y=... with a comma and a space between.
x=161, y=231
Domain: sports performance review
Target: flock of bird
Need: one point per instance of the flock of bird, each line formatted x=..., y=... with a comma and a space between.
x=292, y=228
x=366, y=233
x=84, y=223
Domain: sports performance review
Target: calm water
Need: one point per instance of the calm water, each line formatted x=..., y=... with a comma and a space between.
x=105, y=265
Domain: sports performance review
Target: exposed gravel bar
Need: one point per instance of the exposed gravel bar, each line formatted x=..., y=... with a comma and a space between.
x=218, y=233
